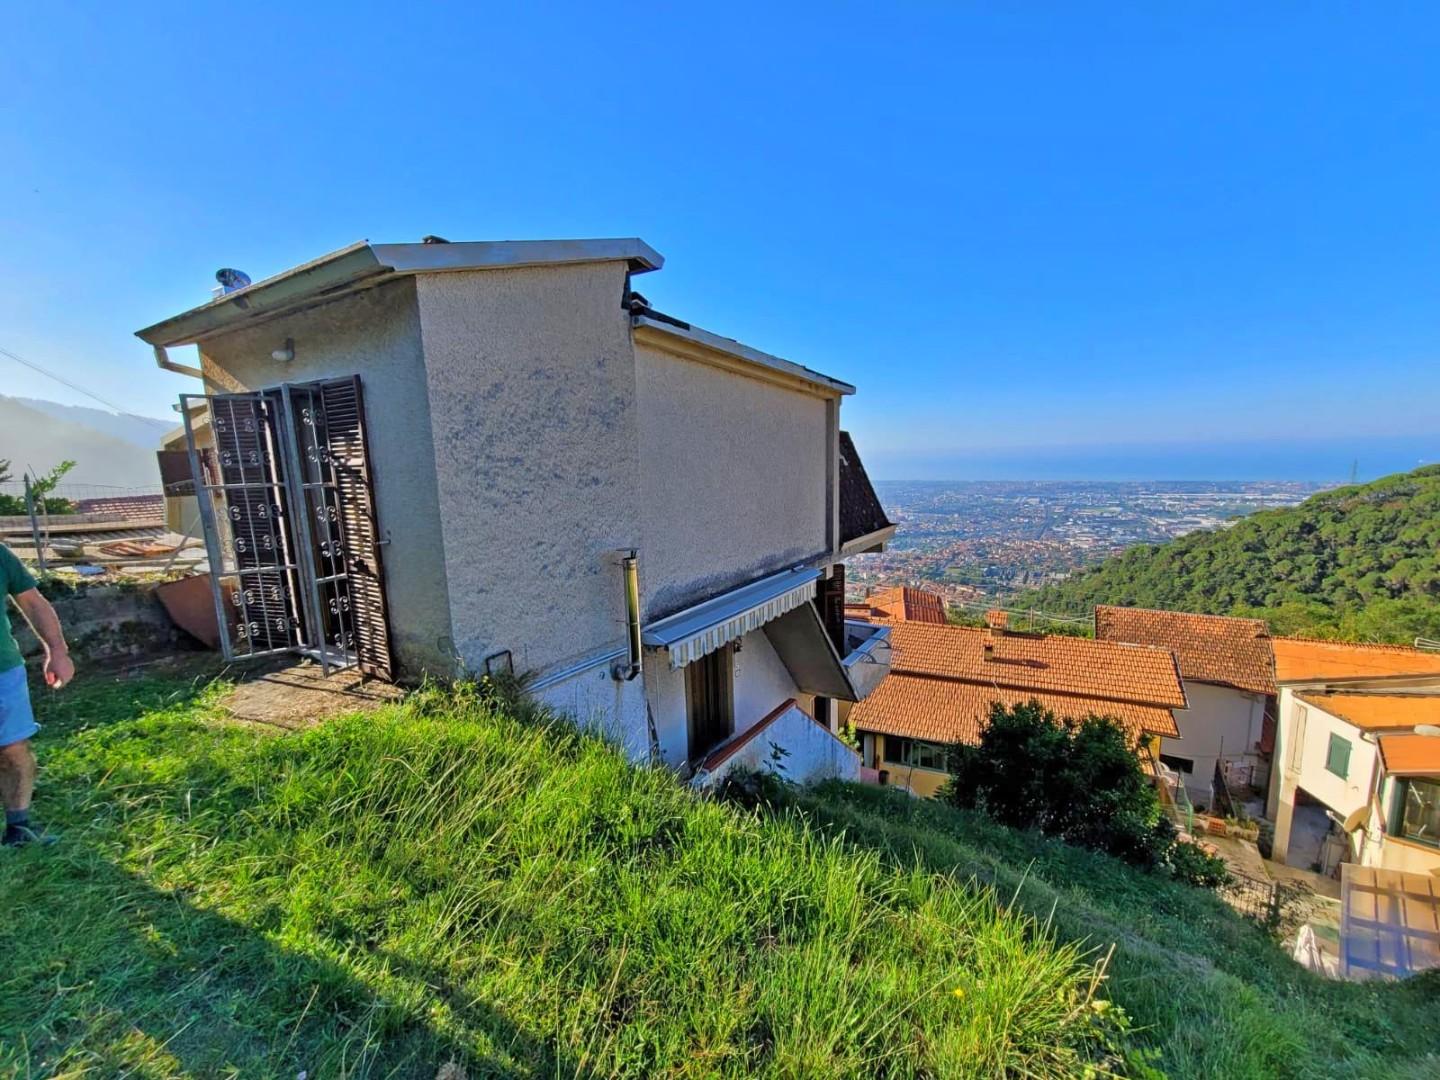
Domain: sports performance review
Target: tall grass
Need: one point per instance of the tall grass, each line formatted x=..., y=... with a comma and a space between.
x=446, y=880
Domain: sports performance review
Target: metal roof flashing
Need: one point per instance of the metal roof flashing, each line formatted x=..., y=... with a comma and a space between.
x=362, y=265
x=773, y=366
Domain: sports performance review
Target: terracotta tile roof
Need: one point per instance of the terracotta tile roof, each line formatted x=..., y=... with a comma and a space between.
x=1304, y=660
x=1211, y=648
x=942, y=683
x=1410, y=755
x=1052, y=663
x=901, y=604
x=1378, y=712
x=945, y=711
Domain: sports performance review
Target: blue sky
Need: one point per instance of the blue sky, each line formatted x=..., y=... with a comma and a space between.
x=1080, y=237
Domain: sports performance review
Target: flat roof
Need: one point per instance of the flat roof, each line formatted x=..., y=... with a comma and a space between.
x=363, y=265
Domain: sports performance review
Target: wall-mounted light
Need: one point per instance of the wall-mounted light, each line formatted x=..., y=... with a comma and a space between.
x=285, y=353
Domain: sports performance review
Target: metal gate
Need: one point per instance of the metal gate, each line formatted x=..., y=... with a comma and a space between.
x=289, y=519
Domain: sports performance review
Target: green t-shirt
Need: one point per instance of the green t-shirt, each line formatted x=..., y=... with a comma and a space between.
x=14, y=579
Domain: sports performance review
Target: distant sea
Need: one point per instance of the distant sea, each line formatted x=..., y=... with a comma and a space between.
x=1323, y=461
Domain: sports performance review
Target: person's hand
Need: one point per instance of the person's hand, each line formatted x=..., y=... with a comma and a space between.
x=59, y=670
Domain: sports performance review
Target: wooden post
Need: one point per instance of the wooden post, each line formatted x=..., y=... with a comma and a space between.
x=34, y=525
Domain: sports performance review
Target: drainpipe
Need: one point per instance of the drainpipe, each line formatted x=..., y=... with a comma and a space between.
x=630, y=568
x=163, y=361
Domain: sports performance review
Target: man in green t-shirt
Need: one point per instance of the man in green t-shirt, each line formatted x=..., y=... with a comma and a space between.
x=17, y=721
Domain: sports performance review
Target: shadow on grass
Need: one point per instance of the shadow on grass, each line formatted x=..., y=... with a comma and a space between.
x=105, y=972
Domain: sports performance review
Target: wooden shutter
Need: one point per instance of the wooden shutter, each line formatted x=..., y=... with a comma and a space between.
x=344, y=407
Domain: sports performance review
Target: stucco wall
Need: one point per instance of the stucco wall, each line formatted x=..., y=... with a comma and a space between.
x=1306, y=728
x=813, y=753
x=761, y=683
x=601, y=704
x=532, y=398
x=1220, y=719
x=375, y=334
x=733, y=476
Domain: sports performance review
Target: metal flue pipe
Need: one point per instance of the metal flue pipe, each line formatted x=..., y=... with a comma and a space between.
x=630, y=571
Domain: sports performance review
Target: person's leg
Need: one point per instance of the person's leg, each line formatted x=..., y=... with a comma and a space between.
x=17, y=778
x=17, y=761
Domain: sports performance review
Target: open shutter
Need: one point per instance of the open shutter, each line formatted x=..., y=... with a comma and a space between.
x=343, y=405
x=244, y=509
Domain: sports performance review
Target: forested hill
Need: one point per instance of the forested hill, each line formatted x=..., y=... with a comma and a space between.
x=1359, y=562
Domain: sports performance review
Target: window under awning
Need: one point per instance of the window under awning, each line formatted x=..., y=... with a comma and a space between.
x=694, y=632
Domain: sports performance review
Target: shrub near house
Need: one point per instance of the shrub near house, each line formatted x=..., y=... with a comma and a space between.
x=1080, y=782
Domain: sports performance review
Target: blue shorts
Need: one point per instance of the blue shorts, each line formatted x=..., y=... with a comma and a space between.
x=17, y=720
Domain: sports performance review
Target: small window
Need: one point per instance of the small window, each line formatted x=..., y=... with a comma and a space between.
x=1337, y=758
x=914, y=754
x=1420, y=812
x=925, y=755
x=1179, y=764
x=895, y=749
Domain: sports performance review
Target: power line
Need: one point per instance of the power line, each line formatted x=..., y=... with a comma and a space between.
x=65, y=382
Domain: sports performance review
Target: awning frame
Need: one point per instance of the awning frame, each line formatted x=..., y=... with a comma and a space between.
x=697, y=631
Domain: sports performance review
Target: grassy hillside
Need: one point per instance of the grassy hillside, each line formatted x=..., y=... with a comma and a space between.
x=444, y=881
x=1359, y=562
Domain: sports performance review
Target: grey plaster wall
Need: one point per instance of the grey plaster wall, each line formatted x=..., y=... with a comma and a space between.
x=733, y=478
x=532, y=396
x=375, y=334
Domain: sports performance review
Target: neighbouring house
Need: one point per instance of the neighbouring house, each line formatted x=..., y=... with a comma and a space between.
x=1355, y=774
x=498, y=457
x=902, y=603
x=944, y=680
x=1229, y=673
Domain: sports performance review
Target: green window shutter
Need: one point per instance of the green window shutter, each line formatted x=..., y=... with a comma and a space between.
x=1337, y=758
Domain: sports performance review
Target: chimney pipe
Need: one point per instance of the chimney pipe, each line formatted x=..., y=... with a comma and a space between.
x=630, y=571
x=996, y=619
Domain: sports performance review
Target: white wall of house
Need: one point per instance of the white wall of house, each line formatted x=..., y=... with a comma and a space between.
x=1220, y=720
x=1302, y=747
x=734, y=475
x=813, y=753
x=532, y=397
x=374, y=334
x=762, y=682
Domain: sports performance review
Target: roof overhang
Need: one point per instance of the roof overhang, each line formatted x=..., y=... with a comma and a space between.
x=870, y=542
x=365, y=265
x=700, y=345
x=804, y=647
x=690, y=634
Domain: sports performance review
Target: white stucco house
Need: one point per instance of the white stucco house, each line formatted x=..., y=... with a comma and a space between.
x=444, y=457
x=1229, y=674
x=1356, y=768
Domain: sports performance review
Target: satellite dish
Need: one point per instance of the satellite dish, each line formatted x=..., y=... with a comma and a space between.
x=230, y=279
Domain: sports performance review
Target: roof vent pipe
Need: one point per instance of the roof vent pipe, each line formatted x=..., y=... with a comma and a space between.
x=630, y=570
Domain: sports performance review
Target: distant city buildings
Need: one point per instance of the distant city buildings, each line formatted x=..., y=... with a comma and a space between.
x=972, y=542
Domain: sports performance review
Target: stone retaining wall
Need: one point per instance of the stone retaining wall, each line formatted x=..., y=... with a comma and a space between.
x=110, y=623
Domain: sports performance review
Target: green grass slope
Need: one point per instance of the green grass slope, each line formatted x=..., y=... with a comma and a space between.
x=1359, y=562
x=442, y=882
x=447, y=881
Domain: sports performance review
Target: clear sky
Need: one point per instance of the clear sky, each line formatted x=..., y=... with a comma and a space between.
x=1075, y=236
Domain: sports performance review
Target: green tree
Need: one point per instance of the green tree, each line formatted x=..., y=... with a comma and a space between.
x=1079, y=782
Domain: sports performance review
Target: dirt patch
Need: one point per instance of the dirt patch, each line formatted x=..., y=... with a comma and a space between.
x=298, y=696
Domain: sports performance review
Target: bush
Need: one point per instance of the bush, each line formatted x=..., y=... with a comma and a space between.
x=1079, y=782
x=1192, y=866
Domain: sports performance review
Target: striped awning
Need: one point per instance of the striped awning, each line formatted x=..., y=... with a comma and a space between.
x=690, y=634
